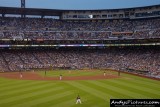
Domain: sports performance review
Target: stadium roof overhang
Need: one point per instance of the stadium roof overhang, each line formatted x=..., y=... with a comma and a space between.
x=56, y=12
x=30, y=11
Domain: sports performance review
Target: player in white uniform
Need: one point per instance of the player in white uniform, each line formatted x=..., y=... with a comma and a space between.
x=78, y=100
x=104, y=73
x=60, y=77
x=21, y=75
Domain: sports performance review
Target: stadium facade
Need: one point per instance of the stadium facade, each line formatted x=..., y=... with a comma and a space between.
x=121, y=39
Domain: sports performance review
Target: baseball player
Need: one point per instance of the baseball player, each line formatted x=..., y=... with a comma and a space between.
x=45, y=72
x=78, y=100
x=21, y=75
x=104, y=73
x=60, y=77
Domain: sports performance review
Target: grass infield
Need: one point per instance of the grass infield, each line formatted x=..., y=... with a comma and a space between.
x=93, y=93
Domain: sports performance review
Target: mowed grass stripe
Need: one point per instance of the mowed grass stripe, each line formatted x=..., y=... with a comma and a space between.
x=4, y=80
x=39, y=101
x=12, y=83
x=21, y=98
x=71, y=99
x=66, y=100
x=147, y=80
x=141, y=83
x=89, y=101
x=36, y=98
x=86, y=98
x=71, y=102
x=112, y=91
x=120, y=90
x=37, y=89
x=144, y=84
x=20, y=86
x=105, y=104
x=63, y=103
x=90, y=90
x=135, y=87
x=22, y=91
x=69, y=73
x=140, y=79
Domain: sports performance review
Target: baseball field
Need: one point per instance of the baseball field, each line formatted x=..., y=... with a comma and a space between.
x=40, y=89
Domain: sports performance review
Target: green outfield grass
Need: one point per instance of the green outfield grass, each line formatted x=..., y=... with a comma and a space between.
x=55, y=73
x=93, y=93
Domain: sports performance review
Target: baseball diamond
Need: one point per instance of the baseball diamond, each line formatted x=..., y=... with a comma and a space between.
x=95, y=90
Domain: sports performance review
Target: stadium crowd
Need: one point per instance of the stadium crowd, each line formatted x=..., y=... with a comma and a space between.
x=52, y=29
x=118, y=59
x=37, y=28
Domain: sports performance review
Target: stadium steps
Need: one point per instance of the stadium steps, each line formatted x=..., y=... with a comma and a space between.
x=6, y=63
x=21, y=59
x=37, y=58
x=49, y=56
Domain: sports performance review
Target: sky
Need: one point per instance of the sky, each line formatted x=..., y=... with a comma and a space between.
x=80, y=4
